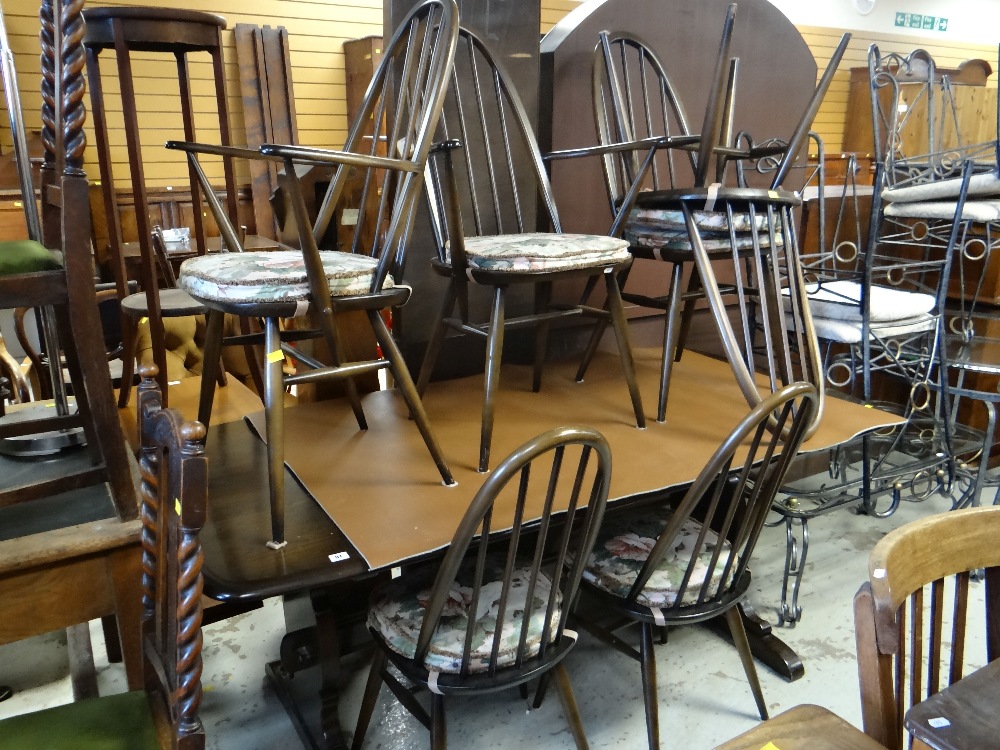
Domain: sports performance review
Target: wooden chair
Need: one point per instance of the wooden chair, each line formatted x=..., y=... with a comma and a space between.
x=483, y=201
x=165, y=714
x=635, y=102
x=804, y=727
x=33, y=275
x=660, y=566
x=916, y=632
x=294, y=283
x=509, y=562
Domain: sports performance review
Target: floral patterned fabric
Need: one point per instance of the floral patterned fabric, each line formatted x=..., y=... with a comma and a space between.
x=273, y=276
x=625, y=543
x=397, y=612
x=665, y=228
x=544, y=251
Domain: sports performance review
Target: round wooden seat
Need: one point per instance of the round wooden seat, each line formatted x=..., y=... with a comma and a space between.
x=153, y=29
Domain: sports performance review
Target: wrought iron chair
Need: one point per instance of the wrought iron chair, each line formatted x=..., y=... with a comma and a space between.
x=165, y=713
x=483, y=201
x=879, y=296
x=914, y=618
x=509, y=564
x=665, y=566
x=406, y=94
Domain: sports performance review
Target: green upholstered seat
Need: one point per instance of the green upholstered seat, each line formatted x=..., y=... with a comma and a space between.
x=113, y=722
x=26, y=256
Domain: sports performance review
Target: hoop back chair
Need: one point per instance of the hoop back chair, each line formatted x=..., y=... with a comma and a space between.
x=510, y=565
x=33, y=274
x=635, y=102
x=665, y=566
x=915, y=618
x=486, y=201
x=406, y=94
x=164, y=714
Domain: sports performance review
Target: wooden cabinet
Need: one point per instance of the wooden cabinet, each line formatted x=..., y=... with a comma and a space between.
x=976, y=105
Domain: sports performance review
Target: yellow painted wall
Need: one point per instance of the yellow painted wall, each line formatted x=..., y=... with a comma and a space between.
x=317, y=31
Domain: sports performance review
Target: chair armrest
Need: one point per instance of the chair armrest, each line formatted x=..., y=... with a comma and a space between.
x=307, y=155
x=687, y=142
x=243, y=152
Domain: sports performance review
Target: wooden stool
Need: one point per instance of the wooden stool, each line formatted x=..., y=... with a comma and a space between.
x=164, y=30
x=804, y=727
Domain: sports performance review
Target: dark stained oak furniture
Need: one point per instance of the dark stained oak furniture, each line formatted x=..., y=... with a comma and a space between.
x=175, y=32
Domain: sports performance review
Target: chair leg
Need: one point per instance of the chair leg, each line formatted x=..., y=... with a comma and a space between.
x=570, y=707
x=128, y=360
x=328, y=325
x=617, y=311
x=647, y=660
x=439, y=734
x=372, y=688
x=739, y=634
x=543, y=296
x=274, y=419
x=409, y=392
x=494, y=354
x=670, y=339
x=694, y=285
x=214, y=324
x=433, y=350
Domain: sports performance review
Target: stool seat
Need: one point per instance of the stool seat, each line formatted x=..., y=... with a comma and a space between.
x=153, y=29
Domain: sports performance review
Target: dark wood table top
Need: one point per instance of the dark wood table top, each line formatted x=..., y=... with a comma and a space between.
x=963, y=716
x=238, y=565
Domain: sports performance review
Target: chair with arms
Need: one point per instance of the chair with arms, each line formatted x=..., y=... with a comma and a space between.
x=659, y=566
x=635, y=102
x=510, y=565
x=164, y=714
x=916, y=625
x=483, y=201
x=284, y=284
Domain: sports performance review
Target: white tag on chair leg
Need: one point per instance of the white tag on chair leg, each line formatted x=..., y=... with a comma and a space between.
x=276, y=545
x=301, y=308
x=432, y=682
x=713, y=194
x=658, y=617
x=571, y=634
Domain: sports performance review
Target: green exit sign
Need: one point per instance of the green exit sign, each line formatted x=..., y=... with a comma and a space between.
x=921, y=21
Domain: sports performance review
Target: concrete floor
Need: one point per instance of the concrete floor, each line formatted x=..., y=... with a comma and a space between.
x=703, y=696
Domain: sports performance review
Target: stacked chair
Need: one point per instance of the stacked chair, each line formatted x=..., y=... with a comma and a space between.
x=406, y=94
x=899, y=300
x=488, y=194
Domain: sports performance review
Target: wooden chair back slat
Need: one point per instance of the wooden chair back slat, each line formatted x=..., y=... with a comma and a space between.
x=912, y=617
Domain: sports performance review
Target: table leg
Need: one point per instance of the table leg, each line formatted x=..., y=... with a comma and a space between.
x=765, y=646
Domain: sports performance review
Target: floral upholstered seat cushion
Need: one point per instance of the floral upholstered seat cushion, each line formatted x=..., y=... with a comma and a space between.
x=624, y=545
x=397, y=612
x=544, y=251
x=273, y=276
x=666, y=228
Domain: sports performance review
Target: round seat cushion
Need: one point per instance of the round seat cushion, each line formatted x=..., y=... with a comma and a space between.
x=273, y=276
x=666, y=228
x=624, y=545
x=26, y=256
x=544, y=251
x=397, y=612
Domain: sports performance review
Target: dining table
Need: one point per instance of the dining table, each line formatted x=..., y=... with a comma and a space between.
x=962, y=716
x=363, y=504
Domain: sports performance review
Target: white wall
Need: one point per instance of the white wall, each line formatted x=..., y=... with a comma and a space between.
x=968, y=20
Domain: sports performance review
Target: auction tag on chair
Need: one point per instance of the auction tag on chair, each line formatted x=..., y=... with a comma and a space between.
x=339, y=557
x=939, y=722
